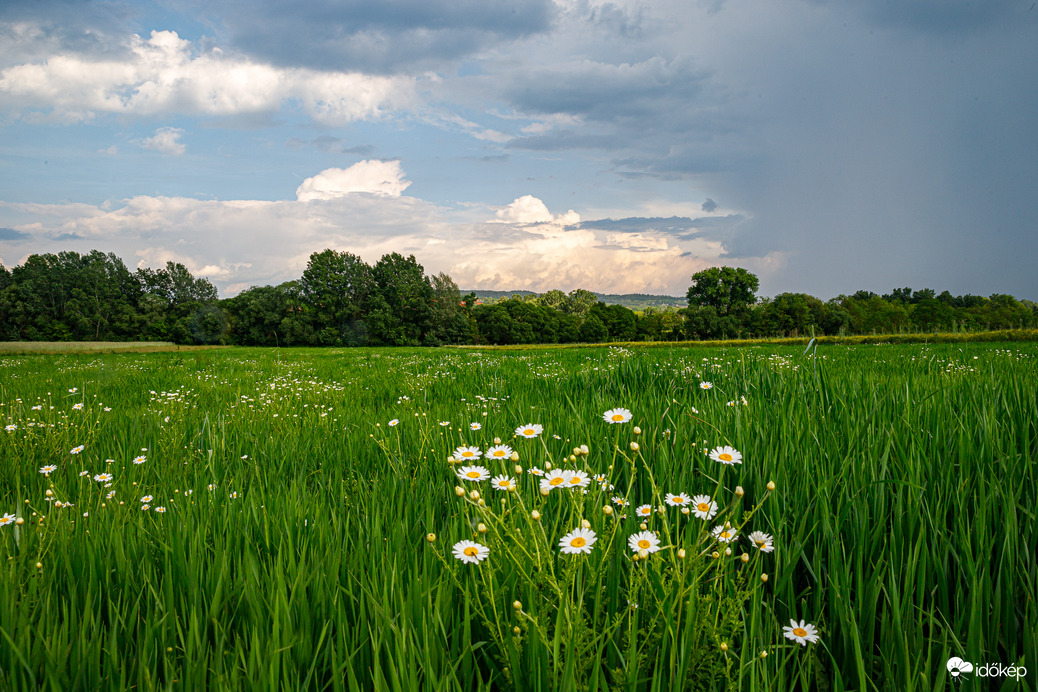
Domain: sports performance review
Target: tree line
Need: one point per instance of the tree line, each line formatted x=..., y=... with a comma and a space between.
x=340, y=300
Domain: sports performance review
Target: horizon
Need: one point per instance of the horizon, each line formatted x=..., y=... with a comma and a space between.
x=617, y=146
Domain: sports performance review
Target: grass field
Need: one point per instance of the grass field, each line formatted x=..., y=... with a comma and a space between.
x=306, y=543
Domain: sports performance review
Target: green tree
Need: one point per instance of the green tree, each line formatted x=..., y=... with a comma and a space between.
x=401, y=309
x=730, y=291
x=338, y=288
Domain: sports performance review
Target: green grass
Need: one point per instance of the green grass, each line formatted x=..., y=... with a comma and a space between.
x=28, y=347
x=903, y=516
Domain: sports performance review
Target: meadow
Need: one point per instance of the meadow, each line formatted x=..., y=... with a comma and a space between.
x=761, y=518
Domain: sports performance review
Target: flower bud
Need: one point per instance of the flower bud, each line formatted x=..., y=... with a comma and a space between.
x=545, y=491
x=481, y=503
x=518, y=605
x=459, y=491
x=643, y=554
x=49, y=492
x=585, y=524
x=739, y=492
x=745, y=557
x=497, y=440
x=607, y=510
x=515, y=456
x=681, y=553
x=715, y=554
x=572, y=458
x=724, y=647
x=474, y=495
x=763, y=654
x=431, y=537
x=19, y=521
x=637, y=430
x=547, y=466
x=518, y=469
x=643, y=526
x=516, y=630
x=634, y=446
x=634, y=557
x=584, y=450
x=771, y=485
x=451, y=460
x=764, y=577
x=535, y=515
x=39, y=565
x=686, y=511
x=482, y=528
x=576, y=451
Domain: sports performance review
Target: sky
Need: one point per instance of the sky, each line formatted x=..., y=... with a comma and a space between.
x=828, y=146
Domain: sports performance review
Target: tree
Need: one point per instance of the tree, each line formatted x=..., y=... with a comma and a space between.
x=337, y=287
x=728, y=290
x=400, y=313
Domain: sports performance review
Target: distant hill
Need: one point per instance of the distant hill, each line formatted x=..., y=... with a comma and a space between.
x=634, y=301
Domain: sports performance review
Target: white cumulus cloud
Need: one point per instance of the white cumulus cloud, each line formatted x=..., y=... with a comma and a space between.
x=167, y=74
x=166, y=140
x=378, y=177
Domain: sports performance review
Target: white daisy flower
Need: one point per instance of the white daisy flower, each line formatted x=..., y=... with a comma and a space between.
x=11, y=428
x=578, y=541
x=462, y=453
x=578, y=479
x=644, y=511
x=704, y=507
x=475, y=426
x=470, y=552
x=140, y=459
x=77, y=407
x=499, y=452
x=706, y=385
x=473, y=473
x=444, y=423
x=535, y=471
x=764, y=542
x=49, y=469
x=103, y=477
x=503, y=483
x=726, y=455
x=644, y=540
x=800, y=632
x=725, y=534
x=529, y=431
x=616, y=415
x=395, y=422
x=617, y=500
x=556, y=478
x=679, y=500
x=77, y=450
x=7, y=519
x=146, y=499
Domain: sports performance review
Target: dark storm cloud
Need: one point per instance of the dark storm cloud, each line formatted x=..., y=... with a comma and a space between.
x=939, y=16
x=709, y=205
x=384, y=36
x=679, y=227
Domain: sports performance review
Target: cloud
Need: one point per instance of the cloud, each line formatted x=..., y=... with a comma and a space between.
x=709, y=205
x=166, y=140
x=376, y=177
x=386, y=37
x=11, y=234
x=165, y=74
x=239, y=243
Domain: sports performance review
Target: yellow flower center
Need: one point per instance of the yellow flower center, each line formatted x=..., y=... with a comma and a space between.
x=529, y=431
x=473, y=474
x=703, y=507
x=503, y=484
x=467, y=454
x=678, y=500
x=724, y=457
x=644, y=511
x=644, y=544
x=575, y=480
x=760, y=544
x=799, y=632
x=556, y=480
x=578, y=542
x=618, y=417
x=499, y=453
x=471, y=552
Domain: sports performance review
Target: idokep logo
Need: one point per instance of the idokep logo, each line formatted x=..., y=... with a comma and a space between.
x=960, y=670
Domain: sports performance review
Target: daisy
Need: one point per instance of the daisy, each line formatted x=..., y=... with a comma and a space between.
x=140, y=460
x=444, y=423
x=471, y=552
x=706, y=385
x=11, y=428
x=234, y=495
x=578, y=479
x=467, y=453
x=475, y=426
x=103, y=477
x=726, y=455
x=616, y=415
x=499, y=452
x=160, y=510
x=725, y=534
x=679, y=500
x=800, y=632
x=556, y=478
x=145, y=508
x=577, y=541
x=704, y=507
x=146, y=499
x=395, y=422
x=644, y=511
x=77, y=450
x=473, y=473
x=536, y=471
x=617, y=500
x=7, y=519
x=531, y=430
x=47, y=470
x=503, y=483
x=763, y=541
x=84, y=473
x=77, y=407
x=644, y=540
